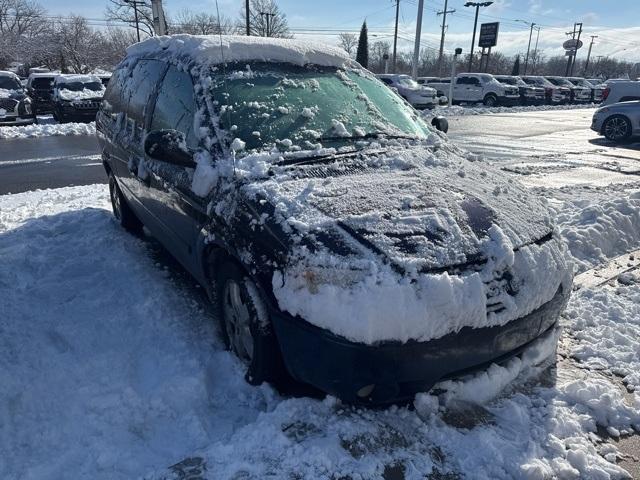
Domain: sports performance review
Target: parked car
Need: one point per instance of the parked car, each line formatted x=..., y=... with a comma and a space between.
x=576, y=94
x=480, y=87
x=621, y=91
x=345, y=243
x=76, y=97
x=618, y=121
x=529, y=94
x=104, y=78
x=554, y=94
x=417, y=95
x=597, y=89
x=442, y=95
x=15, y=105
x=40, y=90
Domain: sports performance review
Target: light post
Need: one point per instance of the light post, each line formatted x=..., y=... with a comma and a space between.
x=475, y=24
x=453, y=74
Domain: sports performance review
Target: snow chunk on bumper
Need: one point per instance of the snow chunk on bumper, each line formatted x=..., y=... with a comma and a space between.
x=370, y=303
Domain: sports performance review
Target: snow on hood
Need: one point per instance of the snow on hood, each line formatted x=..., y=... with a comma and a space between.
x=432, y=244
x=5, y=93
x=213, y=49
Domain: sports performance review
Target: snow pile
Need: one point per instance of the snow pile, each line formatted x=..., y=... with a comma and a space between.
x=213, y=49
x=605, y=327
x=597, y=231
x=117, y=379
x=45, y=130
x=456, y=110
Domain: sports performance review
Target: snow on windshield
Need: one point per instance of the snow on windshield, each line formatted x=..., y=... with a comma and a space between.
x=287, y=108
x=78, y=87
x=9, y=85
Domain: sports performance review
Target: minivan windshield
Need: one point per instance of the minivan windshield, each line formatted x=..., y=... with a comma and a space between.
x=289, y=107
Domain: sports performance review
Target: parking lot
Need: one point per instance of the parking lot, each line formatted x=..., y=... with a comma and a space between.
x=113, y=368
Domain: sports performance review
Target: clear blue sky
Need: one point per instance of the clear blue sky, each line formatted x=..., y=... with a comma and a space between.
x=616, y=21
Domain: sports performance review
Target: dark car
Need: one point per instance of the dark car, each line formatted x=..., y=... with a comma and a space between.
x=554, y=94
x=529, y=94
x=40, y=89
x=15, y=105
x=345, y=243
x=77, y=97
x=577, y=94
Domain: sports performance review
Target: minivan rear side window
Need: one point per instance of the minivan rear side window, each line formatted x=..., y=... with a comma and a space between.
x=175, y=105
x=144, y=79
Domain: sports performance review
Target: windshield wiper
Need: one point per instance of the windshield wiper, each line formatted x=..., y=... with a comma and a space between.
x=368, y=136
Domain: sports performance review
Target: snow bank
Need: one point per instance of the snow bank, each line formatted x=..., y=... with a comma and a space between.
x=212, y=49
x=456, y=110
x=596, y=231
x=40, y=130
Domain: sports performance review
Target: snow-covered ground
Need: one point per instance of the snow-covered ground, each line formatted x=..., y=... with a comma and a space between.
x=111, y=368
x=47, y=127
x=478, y=109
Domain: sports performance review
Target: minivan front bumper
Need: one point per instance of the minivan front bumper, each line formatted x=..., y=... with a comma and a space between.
x=394, y=371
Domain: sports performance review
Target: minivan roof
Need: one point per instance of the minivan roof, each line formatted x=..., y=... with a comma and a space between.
x=215, y=49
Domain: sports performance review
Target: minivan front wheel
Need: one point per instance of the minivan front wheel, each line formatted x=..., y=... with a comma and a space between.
x=246, y=328
x=617, y=128
x=121, y=210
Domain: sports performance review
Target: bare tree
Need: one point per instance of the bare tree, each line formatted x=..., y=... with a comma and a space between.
x=200, y=24
x=348, y=41
x=376, y=57
x=122, y=11
x=265, y=19
x=20, y=17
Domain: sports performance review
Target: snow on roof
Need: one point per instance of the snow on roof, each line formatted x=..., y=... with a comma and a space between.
x=44, y=74
x=77, y=78
x=4, y=73
x=212, y=49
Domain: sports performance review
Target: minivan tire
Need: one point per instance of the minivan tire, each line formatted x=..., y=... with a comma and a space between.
x=490, y=100
x=617, y=128
x=249, y=337
x=121, y=209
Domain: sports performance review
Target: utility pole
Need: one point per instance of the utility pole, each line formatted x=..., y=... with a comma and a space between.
x=526, y=60
x=535, y=51
x=573, y=60
x=135, y=4
x=416, y=48
x=475, y=24
x=246, y=6
x=586, y=65
x=159, y=22
x=444, y=22
x=573, y=36
x=395, y=37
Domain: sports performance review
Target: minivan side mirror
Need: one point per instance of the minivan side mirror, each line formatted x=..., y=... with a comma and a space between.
x=168, y=146
x=440, y=123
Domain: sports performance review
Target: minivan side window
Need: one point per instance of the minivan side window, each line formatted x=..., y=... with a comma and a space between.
x=175, y=105
x=144, y=80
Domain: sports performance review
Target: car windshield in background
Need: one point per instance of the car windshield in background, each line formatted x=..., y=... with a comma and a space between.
x=561, y=82
x=42, y=82
x=79, y=86
x=508, y=80
x=408, y=82
x=298, y=108
x=10, y=83
x=539, y=81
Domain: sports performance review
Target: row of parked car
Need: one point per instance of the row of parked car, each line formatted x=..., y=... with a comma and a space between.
x=507, y=90
x=67, y=97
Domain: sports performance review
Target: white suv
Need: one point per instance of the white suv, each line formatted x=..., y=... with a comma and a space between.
x=621, y=91
x=417, y=95
x=480, y=87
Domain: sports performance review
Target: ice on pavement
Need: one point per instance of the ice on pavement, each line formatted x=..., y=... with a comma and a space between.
x=111, y=369
x=473, y=109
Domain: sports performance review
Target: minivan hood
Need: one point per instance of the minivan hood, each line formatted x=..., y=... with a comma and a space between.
x=428, y=217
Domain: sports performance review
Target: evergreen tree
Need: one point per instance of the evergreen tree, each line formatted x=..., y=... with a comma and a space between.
x=516, y=66
x=362, y=55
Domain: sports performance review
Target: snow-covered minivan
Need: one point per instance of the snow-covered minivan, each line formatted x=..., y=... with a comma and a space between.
x=345, y=242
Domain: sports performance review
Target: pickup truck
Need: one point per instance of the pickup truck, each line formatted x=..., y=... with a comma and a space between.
x=479, y=87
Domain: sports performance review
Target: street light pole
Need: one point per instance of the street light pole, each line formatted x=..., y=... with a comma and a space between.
x=535, y=52
x=475, y=24
x=395, y=36
x=526, y=60
x=416, y=48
